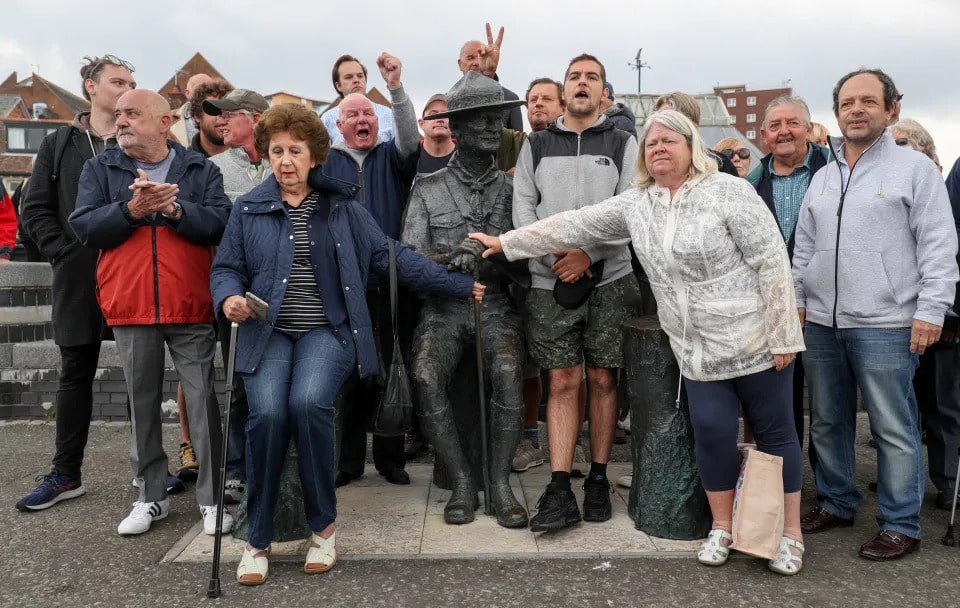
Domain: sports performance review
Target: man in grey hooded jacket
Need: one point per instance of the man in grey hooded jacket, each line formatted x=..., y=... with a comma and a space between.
x=874, y=269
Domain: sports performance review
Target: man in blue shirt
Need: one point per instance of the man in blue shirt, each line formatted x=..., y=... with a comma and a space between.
x=781, y=180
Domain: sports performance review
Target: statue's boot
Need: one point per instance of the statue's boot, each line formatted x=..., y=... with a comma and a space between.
x=441, y=429
x=503, y=446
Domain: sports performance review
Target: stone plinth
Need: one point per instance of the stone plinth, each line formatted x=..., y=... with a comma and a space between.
x=289, y=519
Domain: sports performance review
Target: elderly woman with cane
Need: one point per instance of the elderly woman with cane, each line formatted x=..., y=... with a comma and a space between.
x=719, y=271
x=307, y=253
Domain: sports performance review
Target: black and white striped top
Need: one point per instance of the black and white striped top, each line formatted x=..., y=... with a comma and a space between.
x=302, y=306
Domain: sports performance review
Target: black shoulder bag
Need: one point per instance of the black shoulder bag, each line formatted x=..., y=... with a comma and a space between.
x=394, y=413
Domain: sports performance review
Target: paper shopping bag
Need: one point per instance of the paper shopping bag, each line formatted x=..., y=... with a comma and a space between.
x=758, y=505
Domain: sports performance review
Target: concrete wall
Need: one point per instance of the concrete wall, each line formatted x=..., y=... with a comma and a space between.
x=30, y=361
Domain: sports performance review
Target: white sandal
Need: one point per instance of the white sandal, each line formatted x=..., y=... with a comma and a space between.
x=254, y=567
x=716, y=549
x=321, y=555
x=789, y=560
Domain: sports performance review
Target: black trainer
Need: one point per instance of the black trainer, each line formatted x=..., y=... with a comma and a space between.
x=556, y=510
x=596, y=500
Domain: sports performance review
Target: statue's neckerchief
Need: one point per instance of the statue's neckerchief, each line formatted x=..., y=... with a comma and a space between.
x=478, y=216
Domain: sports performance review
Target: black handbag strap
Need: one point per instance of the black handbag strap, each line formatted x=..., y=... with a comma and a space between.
x=393, y=288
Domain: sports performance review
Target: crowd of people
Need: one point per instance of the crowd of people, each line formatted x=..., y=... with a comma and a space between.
x=830, y=264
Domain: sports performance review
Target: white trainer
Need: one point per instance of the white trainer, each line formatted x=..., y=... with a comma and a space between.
x=210, y=520
x=142, y=516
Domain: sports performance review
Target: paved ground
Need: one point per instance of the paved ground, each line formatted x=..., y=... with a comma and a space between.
x=70, y=555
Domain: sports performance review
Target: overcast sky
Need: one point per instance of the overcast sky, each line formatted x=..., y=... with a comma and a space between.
x=690, y=46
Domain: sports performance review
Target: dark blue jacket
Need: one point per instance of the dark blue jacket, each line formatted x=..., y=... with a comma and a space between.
x=256, y=255
x=383, y=182
x=953, y=190
x=154, y=269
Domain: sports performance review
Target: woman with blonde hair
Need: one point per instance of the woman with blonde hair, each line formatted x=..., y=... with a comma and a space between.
x=718, y=268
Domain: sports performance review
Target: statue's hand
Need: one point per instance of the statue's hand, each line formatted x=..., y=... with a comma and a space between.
x=462, y=262
x=465, y=256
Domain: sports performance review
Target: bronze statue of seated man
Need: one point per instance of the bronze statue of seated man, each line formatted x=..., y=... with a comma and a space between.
x=469, y=195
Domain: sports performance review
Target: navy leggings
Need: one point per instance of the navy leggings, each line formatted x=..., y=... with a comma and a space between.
x=767, y=399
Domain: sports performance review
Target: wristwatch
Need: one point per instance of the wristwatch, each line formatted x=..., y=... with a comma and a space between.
x=177, y=210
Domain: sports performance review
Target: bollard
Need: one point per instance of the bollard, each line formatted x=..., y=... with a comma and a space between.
x=666, y=498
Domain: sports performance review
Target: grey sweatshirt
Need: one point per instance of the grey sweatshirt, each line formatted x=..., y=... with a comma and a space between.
x=897, y=246
x=239, y=176
x=559, y=170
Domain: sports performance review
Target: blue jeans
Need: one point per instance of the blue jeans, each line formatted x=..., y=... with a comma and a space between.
x=291, y=394
x=880, y=363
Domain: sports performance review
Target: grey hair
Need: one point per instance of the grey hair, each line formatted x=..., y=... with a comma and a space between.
x=916, y=133
x=788, y=100
x=701, y=161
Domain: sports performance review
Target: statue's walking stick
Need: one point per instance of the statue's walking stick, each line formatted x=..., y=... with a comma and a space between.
x=481, y=386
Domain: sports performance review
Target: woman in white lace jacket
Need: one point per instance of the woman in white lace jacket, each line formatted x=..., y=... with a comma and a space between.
x=718, y=268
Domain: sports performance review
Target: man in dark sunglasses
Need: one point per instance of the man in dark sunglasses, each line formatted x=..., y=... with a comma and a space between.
x=77, y=320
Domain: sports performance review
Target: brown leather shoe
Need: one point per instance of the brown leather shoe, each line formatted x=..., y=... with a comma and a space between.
x=819, y=520
x=887, y=545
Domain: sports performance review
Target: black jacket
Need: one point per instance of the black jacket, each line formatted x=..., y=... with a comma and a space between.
x=724, y=163
x=622, y=118
x=49, y=201
x=760, y=178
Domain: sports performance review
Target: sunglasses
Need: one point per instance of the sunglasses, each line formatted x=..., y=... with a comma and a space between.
x=743, y=153
x=114, y=60
x=98, y=62
x=902, y=141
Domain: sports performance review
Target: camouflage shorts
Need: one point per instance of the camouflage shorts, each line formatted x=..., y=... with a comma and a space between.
x=559, y=337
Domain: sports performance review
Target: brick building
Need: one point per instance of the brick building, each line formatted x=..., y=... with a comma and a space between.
x=29, y=110
x=317, y=105
x=746, y=108
x=172, y=90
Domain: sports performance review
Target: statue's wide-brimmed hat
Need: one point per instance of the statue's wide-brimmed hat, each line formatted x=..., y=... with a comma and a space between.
x=475, y=93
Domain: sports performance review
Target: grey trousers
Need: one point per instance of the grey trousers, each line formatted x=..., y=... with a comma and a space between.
x=141, y=355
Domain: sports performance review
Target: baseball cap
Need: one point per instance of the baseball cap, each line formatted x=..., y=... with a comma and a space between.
x=433, y=98
x=237, y=99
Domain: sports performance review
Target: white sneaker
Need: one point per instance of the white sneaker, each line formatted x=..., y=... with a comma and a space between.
x=625, y=481
x=210, y=520
x=142, y=515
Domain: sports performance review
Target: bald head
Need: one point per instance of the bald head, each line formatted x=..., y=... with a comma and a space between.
x=195, y=81
x=358, y=122
x=469, y=59
x=143, y=121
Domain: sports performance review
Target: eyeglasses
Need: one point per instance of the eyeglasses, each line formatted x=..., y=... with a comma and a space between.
x=743, y=153
x=228, y=114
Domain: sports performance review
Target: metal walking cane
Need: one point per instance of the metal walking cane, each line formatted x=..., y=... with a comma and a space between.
x=213, y=586
x=485, y=465
x=948, y=539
